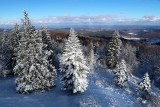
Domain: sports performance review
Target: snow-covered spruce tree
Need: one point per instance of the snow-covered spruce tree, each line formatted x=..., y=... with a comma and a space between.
x=144, y=87
x=46, y=38
x=113, y=51
x=120, y=73
x=6, y=41
x=32, y=67
x=22, y=48
x=91, y=56
x=73, y=65
x=15, y=42
x=15, y=37
x=129, y=55
x=6, y=49
x=51, y=46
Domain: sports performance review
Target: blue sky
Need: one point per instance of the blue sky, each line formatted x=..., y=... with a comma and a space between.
x=82, y=11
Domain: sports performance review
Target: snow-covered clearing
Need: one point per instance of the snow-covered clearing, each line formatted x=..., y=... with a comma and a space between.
x=100, y=93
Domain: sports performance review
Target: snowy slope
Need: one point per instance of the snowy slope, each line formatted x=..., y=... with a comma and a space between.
x=100, y=93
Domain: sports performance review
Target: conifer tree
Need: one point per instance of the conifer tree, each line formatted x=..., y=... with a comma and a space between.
x=73, y=65
x=15, y=42
x=51, y=46
x=6, y=49
x=114, y=49
x=91, y=56
x=32, y=67
x=144, y=87
x=15, y=36
x=129, y=55
x=120, y=77
x=46, y=38
x=6, y=41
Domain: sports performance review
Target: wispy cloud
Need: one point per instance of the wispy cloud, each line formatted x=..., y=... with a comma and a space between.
x=67, y=19
x=83, y=20
x=151, y=18
x=147, y=19
x=9, y=22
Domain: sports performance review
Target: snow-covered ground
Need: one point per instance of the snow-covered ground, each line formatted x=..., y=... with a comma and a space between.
x=148, y=41
x=132, y=38
x=100, y=93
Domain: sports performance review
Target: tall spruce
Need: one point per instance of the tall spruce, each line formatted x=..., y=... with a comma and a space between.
x=32, y=66
x=113, y=51
x=73, y=65
x=120, y=77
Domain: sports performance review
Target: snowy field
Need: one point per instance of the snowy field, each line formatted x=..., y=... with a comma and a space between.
x=100, y=93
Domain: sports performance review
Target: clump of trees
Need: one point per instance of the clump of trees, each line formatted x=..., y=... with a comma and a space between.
x=149, y=59
x=32, y=68
x=34, y=57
